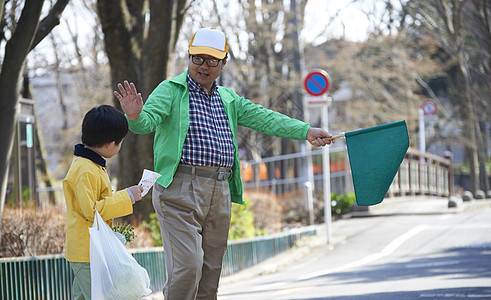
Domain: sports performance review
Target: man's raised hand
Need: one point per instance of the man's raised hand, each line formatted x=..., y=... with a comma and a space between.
x=131, y=101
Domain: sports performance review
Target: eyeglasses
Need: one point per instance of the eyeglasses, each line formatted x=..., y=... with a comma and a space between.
x=211, y=62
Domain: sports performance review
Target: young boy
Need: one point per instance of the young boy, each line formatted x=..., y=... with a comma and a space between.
x=87, y=187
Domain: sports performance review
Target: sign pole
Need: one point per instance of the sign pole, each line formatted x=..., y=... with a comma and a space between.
x=428, y=108
x=309, y=187
x=317, y=83
x=326, y=176
x=422, y=133
x=309, y=183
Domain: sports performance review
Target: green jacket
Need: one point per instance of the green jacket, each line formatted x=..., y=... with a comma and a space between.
x=166, y=112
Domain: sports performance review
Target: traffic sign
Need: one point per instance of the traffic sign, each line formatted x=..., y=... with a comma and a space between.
x=317, y=82
x=315, y=103
x=429, y=107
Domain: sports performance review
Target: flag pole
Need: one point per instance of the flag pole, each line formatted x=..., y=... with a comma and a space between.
x=337, y=136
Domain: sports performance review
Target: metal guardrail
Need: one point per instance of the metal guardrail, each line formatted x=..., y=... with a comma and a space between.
x=46, y=277
x=419, y=173
x=50, y=277
x=281, y=174
x=153, y=260
x=244, y=254
x=423, y=174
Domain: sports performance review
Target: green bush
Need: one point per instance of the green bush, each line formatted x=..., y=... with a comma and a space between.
x=154, y=227
x=342, y=204
x=241, y=224
x=125, y=229
x=27, y=199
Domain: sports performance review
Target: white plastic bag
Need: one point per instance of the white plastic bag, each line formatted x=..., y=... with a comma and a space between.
x=114, y=273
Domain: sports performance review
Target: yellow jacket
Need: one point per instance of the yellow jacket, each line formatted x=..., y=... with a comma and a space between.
x=87, y=185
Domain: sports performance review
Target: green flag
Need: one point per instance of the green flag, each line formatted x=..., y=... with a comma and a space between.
x=375, y=155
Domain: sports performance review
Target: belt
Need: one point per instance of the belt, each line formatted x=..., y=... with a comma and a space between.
x=217, y=173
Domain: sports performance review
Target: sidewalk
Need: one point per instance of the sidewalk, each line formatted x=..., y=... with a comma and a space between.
x=408, y=205
x=422, y=205
x=390, y=206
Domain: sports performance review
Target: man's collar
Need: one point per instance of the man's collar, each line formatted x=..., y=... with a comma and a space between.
x=82, y=151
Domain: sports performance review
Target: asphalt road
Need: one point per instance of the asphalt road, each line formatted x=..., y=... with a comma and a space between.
x=413, y=256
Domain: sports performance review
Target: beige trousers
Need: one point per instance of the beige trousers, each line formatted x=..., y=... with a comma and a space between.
x=194, y=216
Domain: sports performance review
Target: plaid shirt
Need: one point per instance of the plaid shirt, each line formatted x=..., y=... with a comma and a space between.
x=209, y=139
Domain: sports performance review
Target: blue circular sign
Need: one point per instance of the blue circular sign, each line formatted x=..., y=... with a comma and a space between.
x=429, y=107
x=317, y=82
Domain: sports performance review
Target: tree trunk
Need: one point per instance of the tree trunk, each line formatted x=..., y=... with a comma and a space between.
x=24, y=38
x=470, y=128
x=482, y=156
x=139, y=52
x=16, y=51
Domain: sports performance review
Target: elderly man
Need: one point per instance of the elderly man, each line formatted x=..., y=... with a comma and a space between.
x=195, y=150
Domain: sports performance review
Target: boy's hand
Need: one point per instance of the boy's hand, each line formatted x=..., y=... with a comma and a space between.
x=136, y=190
x=131, y=101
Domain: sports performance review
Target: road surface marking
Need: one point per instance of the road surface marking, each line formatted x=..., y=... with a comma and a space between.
x=389, y=249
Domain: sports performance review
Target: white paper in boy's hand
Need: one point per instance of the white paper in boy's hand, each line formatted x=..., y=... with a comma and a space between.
x=148, y=180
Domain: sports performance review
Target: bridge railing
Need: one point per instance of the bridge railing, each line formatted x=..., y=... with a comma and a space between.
x=419, y=173
x=423, y=174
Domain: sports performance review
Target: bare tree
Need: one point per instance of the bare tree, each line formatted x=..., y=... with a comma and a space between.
x=139, y=38
x=267, y=65
x=20, y=34
x=462, y=30
x=478, y=19
x=380, y=77
x=69, y=75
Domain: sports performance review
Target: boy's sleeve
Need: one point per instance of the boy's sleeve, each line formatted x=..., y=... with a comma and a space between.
x=88, y=191
x=131, y=195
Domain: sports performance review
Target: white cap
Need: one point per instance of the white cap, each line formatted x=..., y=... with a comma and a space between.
x=209, y=41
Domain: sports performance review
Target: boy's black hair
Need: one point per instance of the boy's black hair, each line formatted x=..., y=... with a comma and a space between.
x=103, y=124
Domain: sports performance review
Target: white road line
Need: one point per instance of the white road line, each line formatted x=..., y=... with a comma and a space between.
x=389, y=249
